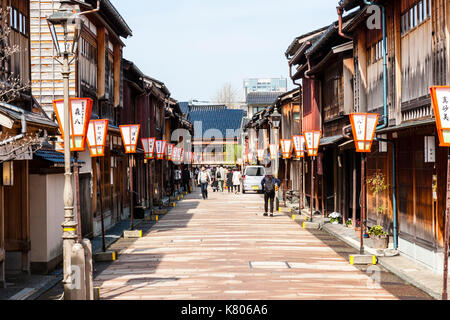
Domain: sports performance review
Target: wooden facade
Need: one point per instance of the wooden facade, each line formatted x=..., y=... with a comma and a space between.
x=352, y=81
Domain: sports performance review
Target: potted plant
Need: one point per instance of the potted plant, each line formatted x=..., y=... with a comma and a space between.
x=377, y=184
x=380, y=239
x=349, y=223
x=335, y=217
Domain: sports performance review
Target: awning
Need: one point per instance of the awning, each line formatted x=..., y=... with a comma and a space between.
x=53, y=156
x=327, y=141
x=409, y=125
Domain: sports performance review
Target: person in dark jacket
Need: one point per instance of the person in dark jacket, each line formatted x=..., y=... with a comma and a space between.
x=230, y=180
x=186, y=175
x=269, y=185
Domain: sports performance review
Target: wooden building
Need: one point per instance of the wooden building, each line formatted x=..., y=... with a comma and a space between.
x=24, y=129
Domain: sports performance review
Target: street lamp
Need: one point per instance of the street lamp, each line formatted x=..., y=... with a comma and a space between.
x=130, y=135
x=286, y=147
x=299, y=146
x=66, y=18
x=364, y=126
x=275, y=120
x=96, y=138
x=312, y=142
x=441, y=104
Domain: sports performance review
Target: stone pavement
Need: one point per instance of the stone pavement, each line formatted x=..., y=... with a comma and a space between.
x=223, y=248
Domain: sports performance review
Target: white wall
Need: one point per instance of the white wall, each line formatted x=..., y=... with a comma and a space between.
x=38, y=218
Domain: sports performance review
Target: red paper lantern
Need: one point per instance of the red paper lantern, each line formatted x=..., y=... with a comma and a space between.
x=149, y=147
x=130, y=135
x=299, y=146
x=286, y=148
x=312, y=142
x=80, y=115
x=364, y=126
x=96, y=137
x=160, y=149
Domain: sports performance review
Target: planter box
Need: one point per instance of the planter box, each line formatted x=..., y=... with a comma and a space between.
x=380, y=242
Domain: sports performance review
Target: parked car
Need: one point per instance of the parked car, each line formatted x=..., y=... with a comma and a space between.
x=253, y=175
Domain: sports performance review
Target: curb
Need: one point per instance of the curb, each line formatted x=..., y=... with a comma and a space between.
x=381, y=262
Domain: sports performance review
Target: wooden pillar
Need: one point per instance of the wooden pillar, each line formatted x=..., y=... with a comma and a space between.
x=26, y=229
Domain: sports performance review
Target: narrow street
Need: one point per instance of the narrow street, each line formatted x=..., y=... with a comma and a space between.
x=224, y=249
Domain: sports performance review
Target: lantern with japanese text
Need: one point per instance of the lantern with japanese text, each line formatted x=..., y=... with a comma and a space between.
x=273, y=151
x=440, y=97
x=96, y=137
x=149, y=147
x=312, y=142
x=181, y=158
x=160, y=149
x=299, y=146
x=130, y=135
x=80, y=115
x=286, y=148
x=261, y=154
x=169, y=151
x=364, y=126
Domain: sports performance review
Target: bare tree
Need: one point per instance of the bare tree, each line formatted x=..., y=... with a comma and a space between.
x=10, y=84
x=227, y=95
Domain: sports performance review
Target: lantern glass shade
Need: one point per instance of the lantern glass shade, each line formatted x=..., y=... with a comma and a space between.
x=96, y=137
x=65, y=28
x=80, y=114
x=312, y=142
x=286, y=148
x=161, y=146
x=275, y=118
x=299, y=146
x=440, y=96
x=364, y=126
x=130, y=135
x=149, y=147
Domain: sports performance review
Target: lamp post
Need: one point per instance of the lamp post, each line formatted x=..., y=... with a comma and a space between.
x=67, y=19
x=364, y=126
x=299, y=145
x=96, y=137
x=312, y=142
x=130, y=135
x=275, y=120
x=286, y=147
x=440, y=96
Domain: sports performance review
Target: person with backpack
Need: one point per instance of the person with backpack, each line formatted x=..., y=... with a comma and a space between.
x=230, y=181
x=220, y=177
x=204, y=179
x=270, y=185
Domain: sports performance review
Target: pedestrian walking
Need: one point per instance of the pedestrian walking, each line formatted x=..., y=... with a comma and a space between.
x=269, y=185
x=177, y=178
x=186, y=176
x=204, y=179
x=237, y=180
x=230, y=181
x=220, y=177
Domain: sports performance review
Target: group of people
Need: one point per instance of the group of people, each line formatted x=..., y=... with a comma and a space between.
x=220, y=179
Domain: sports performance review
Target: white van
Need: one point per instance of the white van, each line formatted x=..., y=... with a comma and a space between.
x=253, y=176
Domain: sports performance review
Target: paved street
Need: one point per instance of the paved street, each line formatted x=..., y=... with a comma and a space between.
x=223, y=248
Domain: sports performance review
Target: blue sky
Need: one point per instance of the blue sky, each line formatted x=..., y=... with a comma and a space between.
x=196, y=46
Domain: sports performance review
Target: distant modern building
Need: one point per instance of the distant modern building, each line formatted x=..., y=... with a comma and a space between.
x=265, y=85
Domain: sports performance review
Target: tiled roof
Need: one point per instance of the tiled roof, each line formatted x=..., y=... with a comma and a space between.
x=262, y=98
x=52, y=156
x=220, y=119
x=184, y=106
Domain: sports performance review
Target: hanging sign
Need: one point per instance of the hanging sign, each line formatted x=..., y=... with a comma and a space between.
x=160, y=149
x=80, y=114
x=299, y=146
x=149, y=147
x=169, y=151
x=96, y=137
x=440, y=96
x=181, y=159
x=286, y=148
x=364, y=126
x=312, y=142
x=130, y=135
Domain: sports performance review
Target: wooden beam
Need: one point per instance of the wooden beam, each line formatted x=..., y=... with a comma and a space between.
x=117, y=73
x=101, y=61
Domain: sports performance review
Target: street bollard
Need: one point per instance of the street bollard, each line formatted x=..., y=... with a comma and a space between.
x=87, y=245
x=77, y=275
